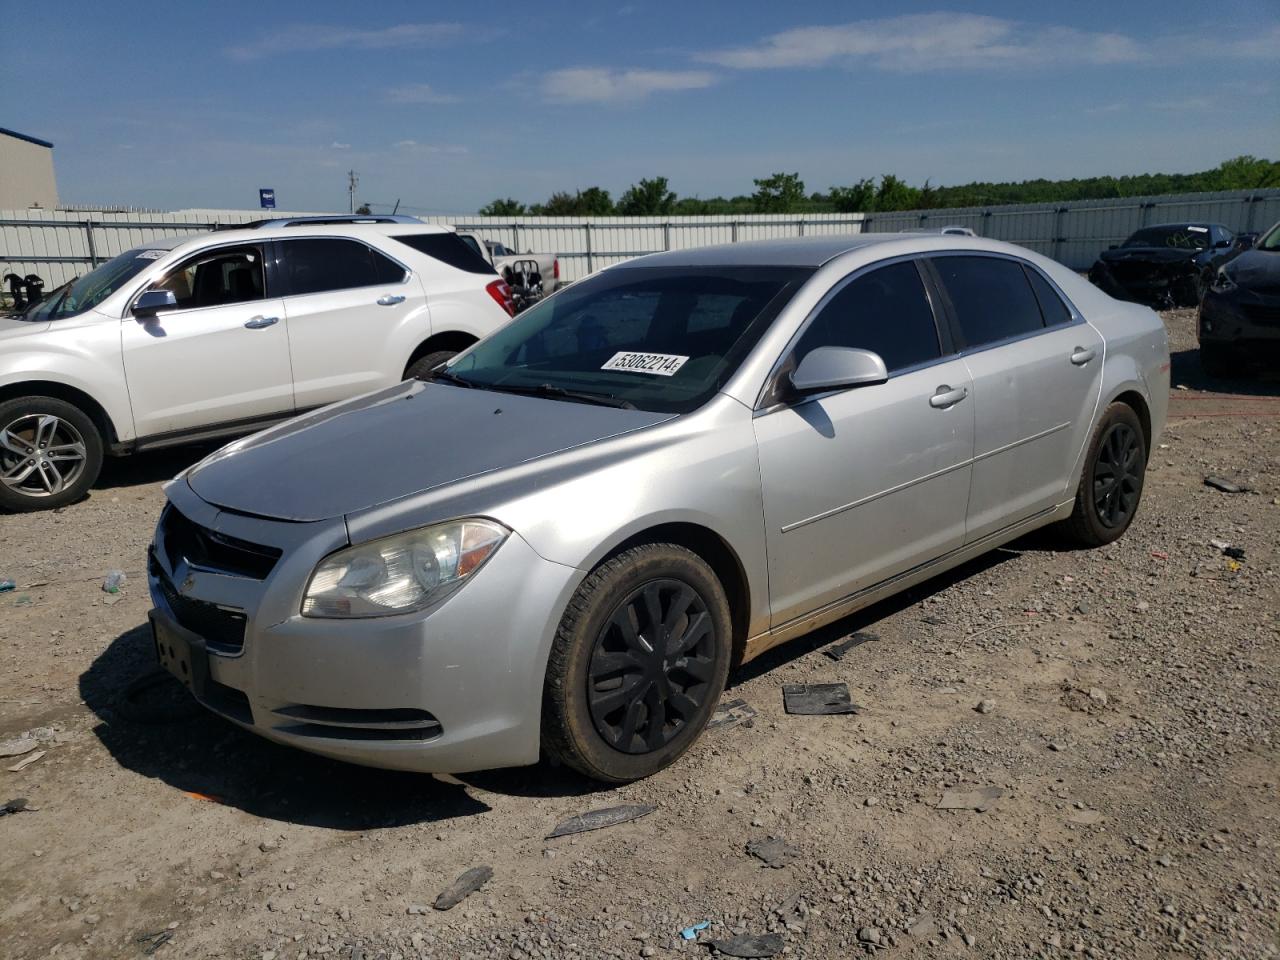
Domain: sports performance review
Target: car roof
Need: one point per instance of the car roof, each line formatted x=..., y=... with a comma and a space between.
x=812, y=251
x=294, y=228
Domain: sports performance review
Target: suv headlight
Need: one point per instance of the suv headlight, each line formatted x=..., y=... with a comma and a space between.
x=401, y=573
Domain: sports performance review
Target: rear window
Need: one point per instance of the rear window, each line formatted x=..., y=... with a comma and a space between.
x=447, y=248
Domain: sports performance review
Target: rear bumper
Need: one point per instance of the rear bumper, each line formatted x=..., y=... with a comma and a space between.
x=457, y=687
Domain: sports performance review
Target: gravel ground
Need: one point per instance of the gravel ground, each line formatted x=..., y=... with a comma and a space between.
x=1123, y=701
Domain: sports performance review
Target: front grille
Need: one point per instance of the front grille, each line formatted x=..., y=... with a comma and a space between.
x=222, y=630
x=210, y=550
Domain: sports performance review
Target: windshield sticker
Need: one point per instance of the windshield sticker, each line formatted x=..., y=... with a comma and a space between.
x=1198, y=229
x=151, y=254
x=657, y=364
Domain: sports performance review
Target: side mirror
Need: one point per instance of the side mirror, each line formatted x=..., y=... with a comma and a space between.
x=153, y=301
x=1222, y=244
x=836, y=368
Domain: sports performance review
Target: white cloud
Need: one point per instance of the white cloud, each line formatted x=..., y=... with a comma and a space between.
x=338, y=145
x=419, y=93
x=315, y=36
x=929, y=41
x=601, y=85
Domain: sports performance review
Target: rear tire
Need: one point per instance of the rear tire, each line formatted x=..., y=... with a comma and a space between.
x=627, y=692
x=50, y=454
x=421, y=368
x=1111, y=481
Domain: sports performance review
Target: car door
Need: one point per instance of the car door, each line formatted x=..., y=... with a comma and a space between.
x=345, y=303
x=219, y=355
x=862, y=484
x=1036, y=367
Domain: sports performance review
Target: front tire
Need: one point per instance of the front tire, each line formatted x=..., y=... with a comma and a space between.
x=421, y=368
x=50, y=454
x=638, y=664
x=1112, y=480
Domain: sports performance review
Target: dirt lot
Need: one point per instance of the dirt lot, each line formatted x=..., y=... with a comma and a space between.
x=1132, y=727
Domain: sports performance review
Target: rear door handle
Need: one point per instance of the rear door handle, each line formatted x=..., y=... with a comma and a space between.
x=389, y=300
x=257, y=323
x=1080, y=356
x=948, y=397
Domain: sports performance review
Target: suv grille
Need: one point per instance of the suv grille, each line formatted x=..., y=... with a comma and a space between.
x=209, y=550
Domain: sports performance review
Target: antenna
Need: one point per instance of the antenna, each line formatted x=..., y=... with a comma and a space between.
x=352, y=182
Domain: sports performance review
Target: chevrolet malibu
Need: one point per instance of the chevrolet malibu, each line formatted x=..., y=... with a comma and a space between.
x=566, y=538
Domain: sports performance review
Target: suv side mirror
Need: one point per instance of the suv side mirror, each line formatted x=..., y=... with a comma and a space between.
x=153, y=301
x=835, y=368
x=1222, y=244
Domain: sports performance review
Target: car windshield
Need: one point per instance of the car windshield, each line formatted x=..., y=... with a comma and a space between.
x=1271, y=241
x=88, y=291
x=660, y=338
x=1181, y=237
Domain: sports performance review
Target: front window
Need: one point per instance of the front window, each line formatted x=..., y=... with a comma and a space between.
x=658, y=338
x=84, y=293
x=1180, y=237
x=1271, y=241
x=216, y=278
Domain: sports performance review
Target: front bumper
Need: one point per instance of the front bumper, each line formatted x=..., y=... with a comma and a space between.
x=454, y=688
x=1240, y=316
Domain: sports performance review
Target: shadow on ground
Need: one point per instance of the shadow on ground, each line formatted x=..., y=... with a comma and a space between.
x=198, y=752
x=155, y=466
x=1253, y=380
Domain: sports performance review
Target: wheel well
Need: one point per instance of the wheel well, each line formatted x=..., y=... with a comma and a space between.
x=60, y=391
x=719, y=556
x=449, y=340
x=1134, y=399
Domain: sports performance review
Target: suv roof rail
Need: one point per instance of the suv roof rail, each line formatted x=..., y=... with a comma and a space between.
x=321, y=221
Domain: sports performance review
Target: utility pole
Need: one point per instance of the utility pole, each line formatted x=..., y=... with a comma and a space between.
x=352, y=182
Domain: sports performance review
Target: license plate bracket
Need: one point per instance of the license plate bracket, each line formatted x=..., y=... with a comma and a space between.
x=181, y=652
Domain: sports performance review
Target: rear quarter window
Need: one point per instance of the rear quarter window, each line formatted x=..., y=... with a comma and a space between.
x=448, y=248
x=1054, y=311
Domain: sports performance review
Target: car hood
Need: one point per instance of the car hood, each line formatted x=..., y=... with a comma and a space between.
x=1149, y=254
x=11, y=327
x=395, y=443
x=1256, y=268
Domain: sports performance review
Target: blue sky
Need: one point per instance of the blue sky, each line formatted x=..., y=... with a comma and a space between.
x=447, y=105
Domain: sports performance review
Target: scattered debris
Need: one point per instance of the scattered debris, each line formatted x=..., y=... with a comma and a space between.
x=773, y=852
x=749, y=945
x=986, y=706
x=114, y=581
x=26, y=761
x=17, y=805
x=730, y=713
x=1220, y=545
x=870, y=935
x=18, y=746
x=598, y=819
x=980, y=800
x=817, y=699
x=207, y=797
x=691, y=933
x=1235, y=553
x=1159, y=555
x=23, y=600
x=1226, y=486
x=7, y=584
x=463, y=887
x=154, y=941
x=837, y=650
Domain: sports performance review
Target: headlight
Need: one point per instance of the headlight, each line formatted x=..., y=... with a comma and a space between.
x=403, y=573
x=1222, y=281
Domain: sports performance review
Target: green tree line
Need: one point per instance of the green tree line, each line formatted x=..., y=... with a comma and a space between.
x=785, y=193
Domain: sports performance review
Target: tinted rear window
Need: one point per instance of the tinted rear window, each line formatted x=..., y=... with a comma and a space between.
x=447, y=248
x=1051, y=306
x=992, y=298
x=314, y=265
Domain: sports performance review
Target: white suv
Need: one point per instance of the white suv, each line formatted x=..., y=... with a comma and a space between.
x=193, y=338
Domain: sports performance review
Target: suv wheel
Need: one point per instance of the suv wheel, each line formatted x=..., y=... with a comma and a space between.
x=638, y=664
x=421, y=368
x=50, y=453
x=1111, y=483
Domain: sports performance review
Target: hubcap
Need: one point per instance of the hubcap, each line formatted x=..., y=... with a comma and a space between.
x=40, y=455
x=651, y=666
x=1117, y=478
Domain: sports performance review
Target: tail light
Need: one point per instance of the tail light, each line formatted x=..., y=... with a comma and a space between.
x=555, y=268
x=501, y=294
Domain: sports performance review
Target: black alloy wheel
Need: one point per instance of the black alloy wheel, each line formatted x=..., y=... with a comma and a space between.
x=1117, y=476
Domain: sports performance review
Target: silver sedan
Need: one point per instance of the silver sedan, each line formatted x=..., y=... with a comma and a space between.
x=567, y=537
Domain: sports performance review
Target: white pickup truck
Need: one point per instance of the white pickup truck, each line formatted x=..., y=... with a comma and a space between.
x=510, y=264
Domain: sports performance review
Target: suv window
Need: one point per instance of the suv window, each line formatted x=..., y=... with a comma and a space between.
x=216, y=277
x=992, y=298
x=1052, y=308
x=317, y=264
x=886, y=311
x=456, y=251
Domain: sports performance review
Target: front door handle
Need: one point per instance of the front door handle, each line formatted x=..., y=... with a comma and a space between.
x=389, y=300
x=946, y=396
x=258, y=322
x=1080, y=356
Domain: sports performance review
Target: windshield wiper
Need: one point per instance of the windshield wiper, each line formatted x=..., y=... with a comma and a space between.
x=551, y=391
x=447, y=377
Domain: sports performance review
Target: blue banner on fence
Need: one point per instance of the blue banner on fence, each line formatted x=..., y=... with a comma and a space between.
x=267, y=198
